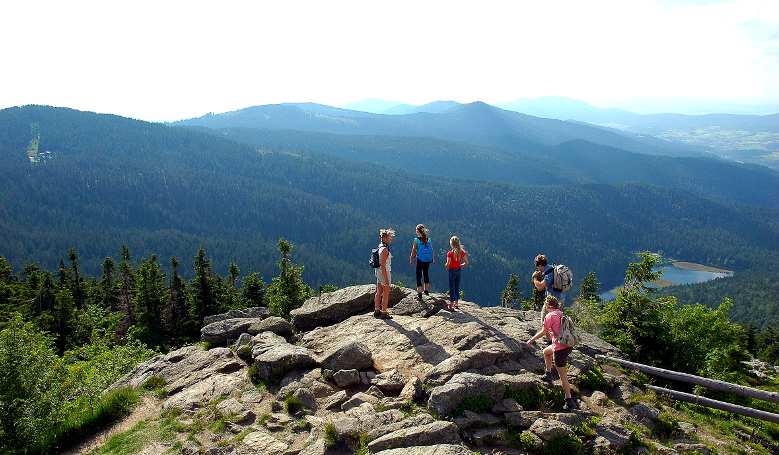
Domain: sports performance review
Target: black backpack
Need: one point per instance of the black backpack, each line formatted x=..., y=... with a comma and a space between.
x=375, y=260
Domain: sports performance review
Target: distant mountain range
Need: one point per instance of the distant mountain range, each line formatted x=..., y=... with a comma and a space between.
x=736, y=137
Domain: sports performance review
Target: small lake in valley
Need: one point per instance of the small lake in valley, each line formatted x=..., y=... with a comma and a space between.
x=684, y=273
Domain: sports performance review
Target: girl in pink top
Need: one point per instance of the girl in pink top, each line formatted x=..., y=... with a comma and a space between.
x=557, y=351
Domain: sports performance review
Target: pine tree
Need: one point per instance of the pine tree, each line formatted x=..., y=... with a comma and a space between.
x=510, y=294
x=150, y=298
x=590, y=288
x=287, y=291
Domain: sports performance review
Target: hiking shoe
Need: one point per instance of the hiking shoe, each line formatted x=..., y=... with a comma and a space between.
x=547, y=376
x=377, y=313
x=385, y=315
x=419, y=295
x=570, y=404
x=426, y=292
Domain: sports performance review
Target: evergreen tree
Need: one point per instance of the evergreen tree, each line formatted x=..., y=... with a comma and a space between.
x=638, y=325
x=287, y=291
x=77, y=288
x=203, y=289
x=253, y=291
x=107, y=295
x=125, y=290
x=150, y=298
x=233, y=297
x=510, y=294
x=177, y=314
x=590, y=288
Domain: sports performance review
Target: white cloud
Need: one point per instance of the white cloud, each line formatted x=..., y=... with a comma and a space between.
x=173, y=59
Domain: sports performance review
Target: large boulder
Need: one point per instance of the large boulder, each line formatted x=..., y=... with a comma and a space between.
x=219, y=332
x=258, y=312
x=191, y=375
x=274, y=356
x=444, y=399
x=275, y=324
x=349, y=355
x=333, y=307
x=439, y=432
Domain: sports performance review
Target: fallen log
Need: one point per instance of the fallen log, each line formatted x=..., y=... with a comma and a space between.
x=712, y=384
x=715, y=404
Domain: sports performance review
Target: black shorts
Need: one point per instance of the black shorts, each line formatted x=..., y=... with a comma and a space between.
x=561, y=357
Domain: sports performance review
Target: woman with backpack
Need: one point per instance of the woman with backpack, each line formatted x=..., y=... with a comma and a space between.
x=551, y=328
x=383, y=275
x=425, y=255
x=455, y=261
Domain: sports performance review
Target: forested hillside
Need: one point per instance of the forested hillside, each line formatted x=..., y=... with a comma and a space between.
x=110, y=181
x=570, y=163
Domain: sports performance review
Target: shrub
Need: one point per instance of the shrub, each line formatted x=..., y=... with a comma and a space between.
x=591, y=379
x=331, y=436
x=666, y=425
x=568, y=444
x=536, y=397
x=154, y=382
x=292, y=405
x=479, y=403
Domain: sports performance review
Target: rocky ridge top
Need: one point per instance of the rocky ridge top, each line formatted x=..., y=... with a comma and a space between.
x=336, y=380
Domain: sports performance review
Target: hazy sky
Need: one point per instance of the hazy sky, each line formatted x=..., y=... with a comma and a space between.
x=167, y=60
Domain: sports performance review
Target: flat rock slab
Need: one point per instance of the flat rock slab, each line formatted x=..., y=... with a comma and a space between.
x=487, y=340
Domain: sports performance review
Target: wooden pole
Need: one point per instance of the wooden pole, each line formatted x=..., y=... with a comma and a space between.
x=713, y=384
x=721, y=405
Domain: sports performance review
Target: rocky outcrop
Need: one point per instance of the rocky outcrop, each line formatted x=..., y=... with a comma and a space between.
x=333, y=307
x=429, y=381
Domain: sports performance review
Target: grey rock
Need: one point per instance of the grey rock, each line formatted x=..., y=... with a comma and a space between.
x=306, y=398
x=506, y=405
x=245, y=313
x=230, y=406
x=425, y=307
x=190, y=448
x=645, y=414
x=610, y=435
x=469, y=418
x=549, y=429
x=376, y=392
x=481, y=436
x=437, y=449
x=219, y=332
x=390, y=380
x=523, y=419
x=335, y=400
x=274, y=356
x=413, y=390
x=357, y=399
x=275, y=324
x=262, y=442
x=685, y=446
x=346, y=378
x=333, y=307
x=415, y=421
x=349, y=355
x=438, y=432
x=444, y=399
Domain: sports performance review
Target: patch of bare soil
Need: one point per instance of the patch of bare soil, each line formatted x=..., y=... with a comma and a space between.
x=148, y=408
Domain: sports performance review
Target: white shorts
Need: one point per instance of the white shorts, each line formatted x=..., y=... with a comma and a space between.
x=380, y=277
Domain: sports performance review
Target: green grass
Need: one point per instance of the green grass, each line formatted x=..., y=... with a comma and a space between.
x=130, y=442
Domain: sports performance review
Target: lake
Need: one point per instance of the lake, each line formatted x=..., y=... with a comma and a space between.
x=678, y=275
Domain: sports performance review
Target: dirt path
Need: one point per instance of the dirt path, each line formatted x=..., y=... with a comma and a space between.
x=148, y=408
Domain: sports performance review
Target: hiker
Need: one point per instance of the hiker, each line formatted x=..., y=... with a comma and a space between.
x=455, y=261
x=543, y=278
x=425, y=255
x=383, y=275
x=560, y=353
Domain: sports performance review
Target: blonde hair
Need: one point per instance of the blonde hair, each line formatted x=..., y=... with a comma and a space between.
x=384, y=233
x=422, y=231
x=552, y=302
x=457, y=248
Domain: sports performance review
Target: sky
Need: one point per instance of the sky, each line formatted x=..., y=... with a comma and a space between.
x=166, y=60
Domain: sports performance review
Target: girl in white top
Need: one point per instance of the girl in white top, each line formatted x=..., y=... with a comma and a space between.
x=383, y=275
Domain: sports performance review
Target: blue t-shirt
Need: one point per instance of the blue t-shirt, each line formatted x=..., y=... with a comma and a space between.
x=549, y=280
